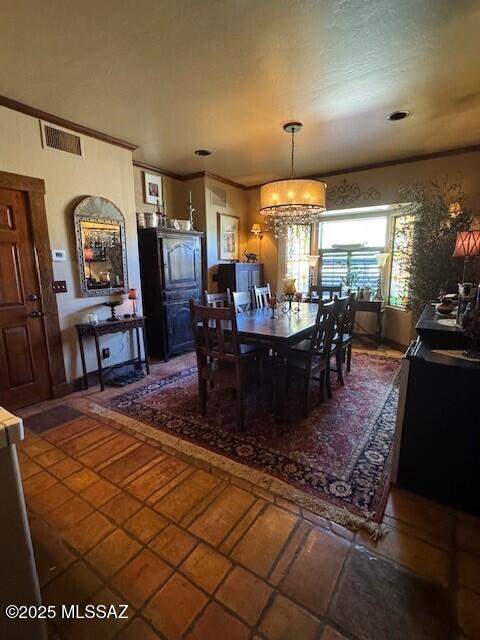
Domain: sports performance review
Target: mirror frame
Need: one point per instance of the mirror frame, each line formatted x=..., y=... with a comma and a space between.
x=98, y=209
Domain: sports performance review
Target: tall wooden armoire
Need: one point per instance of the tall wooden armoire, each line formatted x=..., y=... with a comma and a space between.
x=171, y=269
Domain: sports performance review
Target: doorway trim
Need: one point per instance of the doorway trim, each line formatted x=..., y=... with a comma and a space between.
x=34, y=189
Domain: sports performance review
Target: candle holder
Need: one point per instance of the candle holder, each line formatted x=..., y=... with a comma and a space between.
x=288, y=309
x=272, y=303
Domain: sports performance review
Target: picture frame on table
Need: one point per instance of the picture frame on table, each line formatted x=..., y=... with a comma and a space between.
x=228, y=236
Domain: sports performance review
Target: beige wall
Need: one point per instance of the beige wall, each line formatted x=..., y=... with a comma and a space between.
x=106, y=171
x=236, y=205
x=386, y=181
x=174, y=194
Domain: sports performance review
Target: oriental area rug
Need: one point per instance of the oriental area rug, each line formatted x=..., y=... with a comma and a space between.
x=336, y=462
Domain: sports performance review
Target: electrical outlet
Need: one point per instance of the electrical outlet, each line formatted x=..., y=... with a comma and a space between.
x=105, y=352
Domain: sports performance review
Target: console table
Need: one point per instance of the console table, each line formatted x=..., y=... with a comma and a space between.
x=85, y=330
x=372, y=306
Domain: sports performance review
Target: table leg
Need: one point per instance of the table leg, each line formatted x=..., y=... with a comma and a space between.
x=281, y=386
x=379, y=327
x=147, y=360
x=84, y=366
x=99, y=362
x=139, y=353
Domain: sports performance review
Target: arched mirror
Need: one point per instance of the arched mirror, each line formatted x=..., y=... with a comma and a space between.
x=101, y=250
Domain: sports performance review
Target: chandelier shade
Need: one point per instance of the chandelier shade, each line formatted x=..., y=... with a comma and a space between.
x=292, y=201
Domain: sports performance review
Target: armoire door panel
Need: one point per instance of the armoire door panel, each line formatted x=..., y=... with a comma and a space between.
x=243, y=279
x=179, y=326
x=10, y=281
x=181, y=263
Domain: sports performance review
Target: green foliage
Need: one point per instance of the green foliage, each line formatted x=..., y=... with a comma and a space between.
x=430, y=235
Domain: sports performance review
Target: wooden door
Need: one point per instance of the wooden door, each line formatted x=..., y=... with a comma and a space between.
x=182, y=262
x=24, y=366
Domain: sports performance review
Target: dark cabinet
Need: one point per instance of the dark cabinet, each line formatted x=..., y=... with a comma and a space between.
x=171, y=273
x=239, y=276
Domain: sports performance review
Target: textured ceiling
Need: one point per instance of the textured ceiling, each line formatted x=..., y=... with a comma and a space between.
x=172, y=76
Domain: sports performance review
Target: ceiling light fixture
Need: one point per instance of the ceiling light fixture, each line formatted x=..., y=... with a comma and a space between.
x=398, y=115
x=202, y=152
x=292, y=201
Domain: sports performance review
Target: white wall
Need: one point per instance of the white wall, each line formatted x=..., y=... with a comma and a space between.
x=105, y=170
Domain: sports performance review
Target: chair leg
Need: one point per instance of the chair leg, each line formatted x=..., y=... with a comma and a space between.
x=202, y=388
x=211, y=384
x=328, y=382
x=339, y=367
x=306, y=397
x=321, y=386
x=349, y=356
x=240, y=409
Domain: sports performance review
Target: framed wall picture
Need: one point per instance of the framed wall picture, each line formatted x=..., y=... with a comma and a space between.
x=153, y=189
x=228, y=237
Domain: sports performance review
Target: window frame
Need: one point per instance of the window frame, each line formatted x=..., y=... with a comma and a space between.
x=390, y=211
x=394, y=217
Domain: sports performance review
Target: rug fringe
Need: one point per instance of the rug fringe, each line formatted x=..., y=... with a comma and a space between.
x=319, y=507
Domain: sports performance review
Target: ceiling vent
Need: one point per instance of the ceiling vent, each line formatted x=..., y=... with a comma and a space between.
x=59, y=139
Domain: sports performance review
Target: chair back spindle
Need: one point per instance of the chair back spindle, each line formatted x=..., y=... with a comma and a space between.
x=222, y=299
x=208, y=327
x=242, y=301
x=262, y=296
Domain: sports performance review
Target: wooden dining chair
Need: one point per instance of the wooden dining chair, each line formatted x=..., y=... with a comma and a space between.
x=345, y=341
x=316, y=359
x=242, y=301
x=222, y=299
x=261, y=296
x=317, y=292
x=219, y=354
x=341, y=305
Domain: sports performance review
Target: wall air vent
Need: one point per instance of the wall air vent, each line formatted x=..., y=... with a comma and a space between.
x=59, y=139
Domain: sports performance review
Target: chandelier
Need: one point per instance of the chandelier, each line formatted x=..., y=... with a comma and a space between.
x=292, y=201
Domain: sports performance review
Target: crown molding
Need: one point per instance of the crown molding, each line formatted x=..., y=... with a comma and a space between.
x=387, y=163
x=216, y=177
x=66, y=124
x=151, y=167
x=104, y=137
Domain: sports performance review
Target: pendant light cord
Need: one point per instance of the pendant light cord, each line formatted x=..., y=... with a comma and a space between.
x=293, y=148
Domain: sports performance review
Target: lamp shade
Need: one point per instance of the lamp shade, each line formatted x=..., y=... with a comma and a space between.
x=293, y=193
x=132, y=294
x=256, y=228
x=382, y=259
x=467, y=244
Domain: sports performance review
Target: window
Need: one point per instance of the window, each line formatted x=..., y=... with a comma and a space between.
x=398, y=295
x=298, y=250
x=349, y=250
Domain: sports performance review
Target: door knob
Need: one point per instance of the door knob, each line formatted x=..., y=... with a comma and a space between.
x=36, y=314
x=33, y=297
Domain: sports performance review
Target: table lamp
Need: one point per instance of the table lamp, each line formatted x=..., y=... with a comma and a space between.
x=257, y=230
x=381, y=259
x=132, y=295
x=467, y=246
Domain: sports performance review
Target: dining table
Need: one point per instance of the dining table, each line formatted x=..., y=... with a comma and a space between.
x=279, y=333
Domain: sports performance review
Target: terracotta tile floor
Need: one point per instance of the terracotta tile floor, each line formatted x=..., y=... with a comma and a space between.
x=116, y=518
